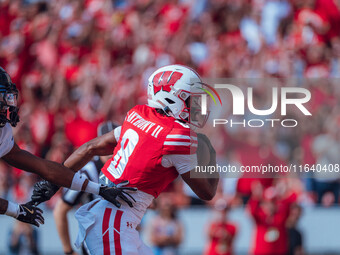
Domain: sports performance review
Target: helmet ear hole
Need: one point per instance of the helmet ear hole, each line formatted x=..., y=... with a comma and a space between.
x=170, y=101
x=187, y=102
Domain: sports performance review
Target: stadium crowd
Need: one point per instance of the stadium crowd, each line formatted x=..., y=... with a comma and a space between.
x=78, y=63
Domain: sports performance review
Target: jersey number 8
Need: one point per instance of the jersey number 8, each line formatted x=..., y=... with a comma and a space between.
x=127, y=146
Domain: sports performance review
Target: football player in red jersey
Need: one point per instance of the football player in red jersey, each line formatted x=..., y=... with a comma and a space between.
x=155, y=144
x=12, y=154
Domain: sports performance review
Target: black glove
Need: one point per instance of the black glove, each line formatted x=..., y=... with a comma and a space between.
x=111, y=193
x=28, y=213
x=43, y=191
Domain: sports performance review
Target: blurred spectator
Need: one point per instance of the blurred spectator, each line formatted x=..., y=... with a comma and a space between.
x=23, y=240
x=327, y=148
x=221, y=231
x=294, y=235
x=253, y=150
x=166, y=233
x=270, y=211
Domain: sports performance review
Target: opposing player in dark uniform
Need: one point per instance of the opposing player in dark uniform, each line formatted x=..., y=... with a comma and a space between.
x=11, y=153
x=71, y=198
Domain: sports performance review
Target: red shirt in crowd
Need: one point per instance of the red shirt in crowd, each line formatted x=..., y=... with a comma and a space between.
x=330, y=10
x=255, y=155
x=271, y=236
x=79, y=131
x=222, y=235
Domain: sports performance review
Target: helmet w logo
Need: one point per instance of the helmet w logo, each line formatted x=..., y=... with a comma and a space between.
x=164, y=80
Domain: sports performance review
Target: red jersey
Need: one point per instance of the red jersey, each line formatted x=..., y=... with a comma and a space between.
x=146, y=136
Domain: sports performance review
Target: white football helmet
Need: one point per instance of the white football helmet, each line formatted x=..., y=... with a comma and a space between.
x=177, y=90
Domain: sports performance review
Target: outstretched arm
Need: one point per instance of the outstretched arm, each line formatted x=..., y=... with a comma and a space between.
x=47, y=170
x=43, y=190
x=100, y=146
x=25, y=212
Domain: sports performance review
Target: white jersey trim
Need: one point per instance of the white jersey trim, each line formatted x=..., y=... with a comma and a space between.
x=117, y=132
x=186, y=137
x=181, y=144
x=177, y=143
x=182, y=163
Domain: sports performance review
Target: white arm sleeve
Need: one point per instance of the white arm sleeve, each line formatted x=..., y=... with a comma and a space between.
x=182, y=163
x=117, y=131
x=6, y=140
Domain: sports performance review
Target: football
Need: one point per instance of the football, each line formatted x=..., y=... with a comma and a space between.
x=203, y=153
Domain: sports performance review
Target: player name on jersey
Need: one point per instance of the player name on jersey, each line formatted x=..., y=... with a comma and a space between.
x=139, y=122
x=143, y=124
